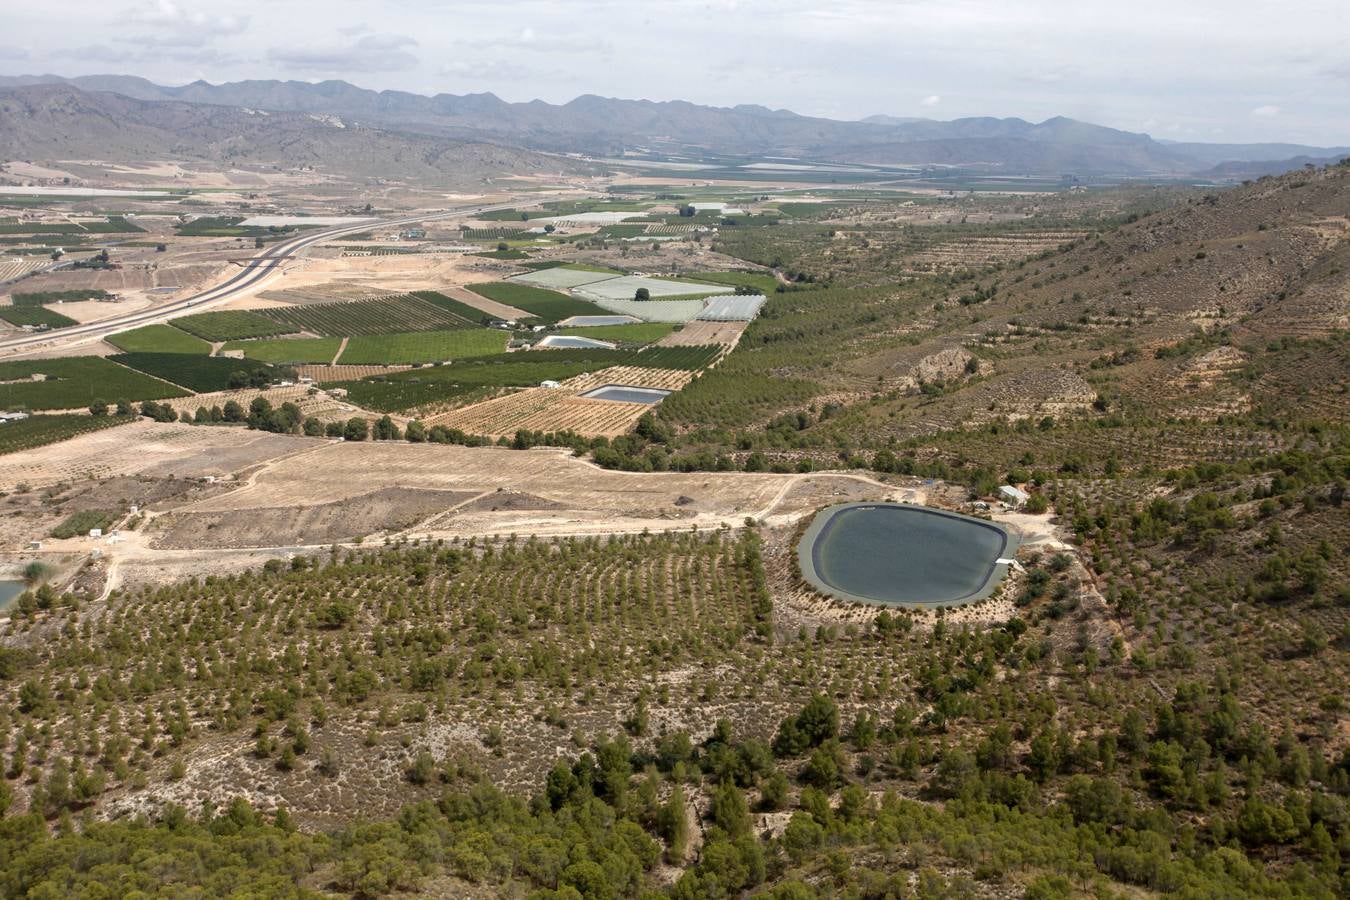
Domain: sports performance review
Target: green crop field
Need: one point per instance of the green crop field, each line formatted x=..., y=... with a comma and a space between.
x=76, y=381
x=230, y=325
x=417, y=387
x=114, y=225
x=422, y=346
x=293, y=351
x=42, y=228
x=158, y=339
x=451, y=305
x=505, y=215
x=39, y=431
x=35, y=315
x=691, y=358
x=80, y=523
x=228, y=226
x=638, y=333
x=587, y=267
x=384, y=316
x=764, y=283
x=503, y=254
x=38, y=298
x=490, y=234
x=200, y=374
x=623, y=230
x=548, y=306
x=391, y=396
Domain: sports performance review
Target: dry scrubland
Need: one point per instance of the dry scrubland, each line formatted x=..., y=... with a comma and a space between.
x=1152, y=705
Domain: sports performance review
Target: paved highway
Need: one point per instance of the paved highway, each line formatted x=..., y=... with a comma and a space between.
x=258, y=269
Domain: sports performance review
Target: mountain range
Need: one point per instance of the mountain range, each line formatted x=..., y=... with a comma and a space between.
x=606, y=127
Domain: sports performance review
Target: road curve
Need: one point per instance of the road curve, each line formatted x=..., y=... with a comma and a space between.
x=257, y=269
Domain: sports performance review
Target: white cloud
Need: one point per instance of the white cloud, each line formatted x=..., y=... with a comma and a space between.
x=1268, y=111
x=170, y=25
x=368, y=53
x=930, y=100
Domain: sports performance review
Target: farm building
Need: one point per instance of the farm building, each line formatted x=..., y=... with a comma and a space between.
x=6, y=418
x=1013, y=495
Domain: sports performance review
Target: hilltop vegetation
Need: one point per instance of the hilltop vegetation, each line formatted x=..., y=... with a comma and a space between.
x=1059, y=763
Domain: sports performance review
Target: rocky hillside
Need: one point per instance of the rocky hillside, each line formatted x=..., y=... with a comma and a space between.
x=1272, y=257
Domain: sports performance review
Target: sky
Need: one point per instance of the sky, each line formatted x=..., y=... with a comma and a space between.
x=1202, y=70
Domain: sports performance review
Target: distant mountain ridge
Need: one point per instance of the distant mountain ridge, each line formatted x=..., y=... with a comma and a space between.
x=604, y=126
x=57, y=121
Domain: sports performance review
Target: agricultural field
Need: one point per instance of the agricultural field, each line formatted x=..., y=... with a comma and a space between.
x=35, y=316
x=422, y=346
x=225, y=226
x=438, y=384
x=73, y=382
x=545, y=305
x=199, y=374
x=39, y=431
x=689, y=358
x=78, y=523
x=491, y=234
x=638, y=333
x=230, y=325
x=625, y=287
x=399, y=395
x=510, y=253
x=451, y=305
x=12, y=267
x=39, y=298
x=288, y=351
x=41, y=228
x=158, y=339
x=365, y=317
x=544, y=410
x=761, y=282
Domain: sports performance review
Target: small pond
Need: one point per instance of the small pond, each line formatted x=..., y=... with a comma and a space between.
x=594, y=321
x=9, y=592
x=895, y=554
x=555, y=341
x=626, y=394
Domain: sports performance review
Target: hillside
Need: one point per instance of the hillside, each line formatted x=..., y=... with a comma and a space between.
x=555, y=681
x=606, y=126
x=61, y=122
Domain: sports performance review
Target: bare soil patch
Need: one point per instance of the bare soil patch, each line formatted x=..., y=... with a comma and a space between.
x=387, y=509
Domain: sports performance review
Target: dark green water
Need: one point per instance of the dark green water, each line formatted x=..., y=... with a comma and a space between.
x=906, y=555
x=9, y=590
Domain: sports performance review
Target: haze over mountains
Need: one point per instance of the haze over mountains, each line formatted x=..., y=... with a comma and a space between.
x=606, y=127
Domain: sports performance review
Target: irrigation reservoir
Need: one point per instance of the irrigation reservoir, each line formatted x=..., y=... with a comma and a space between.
x=895, y=554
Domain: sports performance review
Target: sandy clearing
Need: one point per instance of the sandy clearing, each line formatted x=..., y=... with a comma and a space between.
x=477, y=301
x=699, y=333
x=146, y=447
x=579, y=497
x=378, y=275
